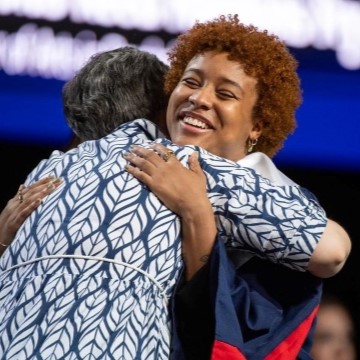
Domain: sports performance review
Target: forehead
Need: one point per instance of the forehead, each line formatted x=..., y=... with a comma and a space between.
x=214, y=60
x=216, y=66
x=333, y=315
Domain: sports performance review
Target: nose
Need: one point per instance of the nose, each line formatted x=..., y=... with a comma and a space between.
x=202, y=97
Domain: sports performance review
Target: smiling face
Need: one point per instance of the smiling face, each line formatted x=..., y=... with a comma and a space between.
x=212, y=106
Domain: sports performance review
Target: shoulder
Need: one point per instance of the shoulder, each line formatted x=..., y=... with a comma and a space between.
x=264, y=166
x=140, y=128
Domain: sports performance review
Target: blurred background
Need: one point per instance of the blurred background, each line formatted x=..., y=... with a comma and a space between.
x=42, y=44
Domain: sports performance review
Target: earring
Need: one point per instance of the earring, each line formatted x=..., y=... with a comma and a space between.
x=251, y=145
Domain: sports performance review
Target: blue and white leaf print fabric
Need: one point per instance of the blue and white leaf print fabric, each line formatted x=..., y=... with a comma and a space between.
x=90, y=273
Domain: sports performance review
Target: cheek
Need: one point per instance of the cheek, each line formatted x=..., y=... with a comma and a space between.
x=177, y=97
x=241, y=119
x=168, y=121
x=170, y=111
x=238, y=123
x=174, y=99
x=178, y=94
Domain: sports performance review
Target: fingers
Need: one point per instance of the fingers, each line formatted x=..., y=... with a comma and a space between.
x=24, y=211
x=168, y=155
x=155, y=154
x=40, y=189
x=165, y=153
x=35, y=192
x=194, y=165
x=149, y=160
x=141, y=159
x=150, y=165
x=26, y=200
x=20, y=195
x=47, y=182
x=31, y=198
x=193, y=162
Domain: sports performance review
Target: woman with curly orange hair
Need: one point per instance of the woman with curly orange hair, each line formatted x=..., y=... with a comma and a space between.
x=263, y=57
x=234, y=91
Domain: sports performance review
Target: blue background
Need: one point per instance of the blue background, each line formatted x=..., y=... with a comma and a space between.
x=327, y=137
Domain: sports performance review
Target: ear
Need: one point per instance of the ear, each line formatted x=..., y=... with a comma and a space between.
x=256, y=131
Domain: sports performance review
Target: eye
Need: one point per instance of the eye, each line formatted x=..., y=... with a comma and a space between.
x=225, y=94
x=191, y=82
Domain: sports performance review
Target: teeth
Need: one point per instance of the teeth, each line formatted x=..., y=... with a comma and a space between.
x=195, y=122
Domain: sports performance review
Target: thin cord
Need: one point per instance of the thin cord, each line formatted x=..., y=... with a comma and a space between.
x=94, y=258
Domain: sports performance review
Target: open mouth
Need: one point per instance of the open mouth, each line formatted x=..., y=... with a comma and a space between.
x=195, y=122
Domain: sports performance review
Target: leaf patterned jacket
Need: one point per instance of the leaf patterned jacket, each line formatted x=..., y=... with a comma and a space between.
x=90, y=273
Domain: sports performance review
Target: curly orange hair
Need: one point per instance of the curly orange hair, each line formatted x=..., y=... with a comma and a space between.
x=263, y=56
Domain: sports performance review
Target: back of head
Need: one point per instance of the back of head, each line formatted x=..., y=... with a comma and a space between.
x=112, y=88
x=262, y=56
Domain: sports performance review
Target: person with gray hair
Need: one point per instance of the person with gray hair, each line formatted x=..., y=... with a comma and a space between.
x=95, y=267
x=114, y=87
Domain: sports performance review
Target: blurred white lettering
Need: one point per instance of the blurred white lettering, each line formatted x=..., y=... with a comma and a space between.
x=34, y=50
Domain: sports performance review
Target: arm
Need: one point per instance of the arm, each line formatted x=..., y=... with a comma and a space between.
x=198, y=236
x=200, y=305
x=334, y=246
x=17, y=209
x=187, y=197
x=292, y=222
x=331, y=252
x=197, y=224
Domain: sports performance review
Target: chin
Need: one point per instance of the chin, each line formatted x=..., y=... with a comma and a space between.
x=186, y=140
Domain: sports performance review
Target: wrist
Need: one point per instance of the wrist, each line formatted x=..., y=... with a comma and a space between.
x=197, y=214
